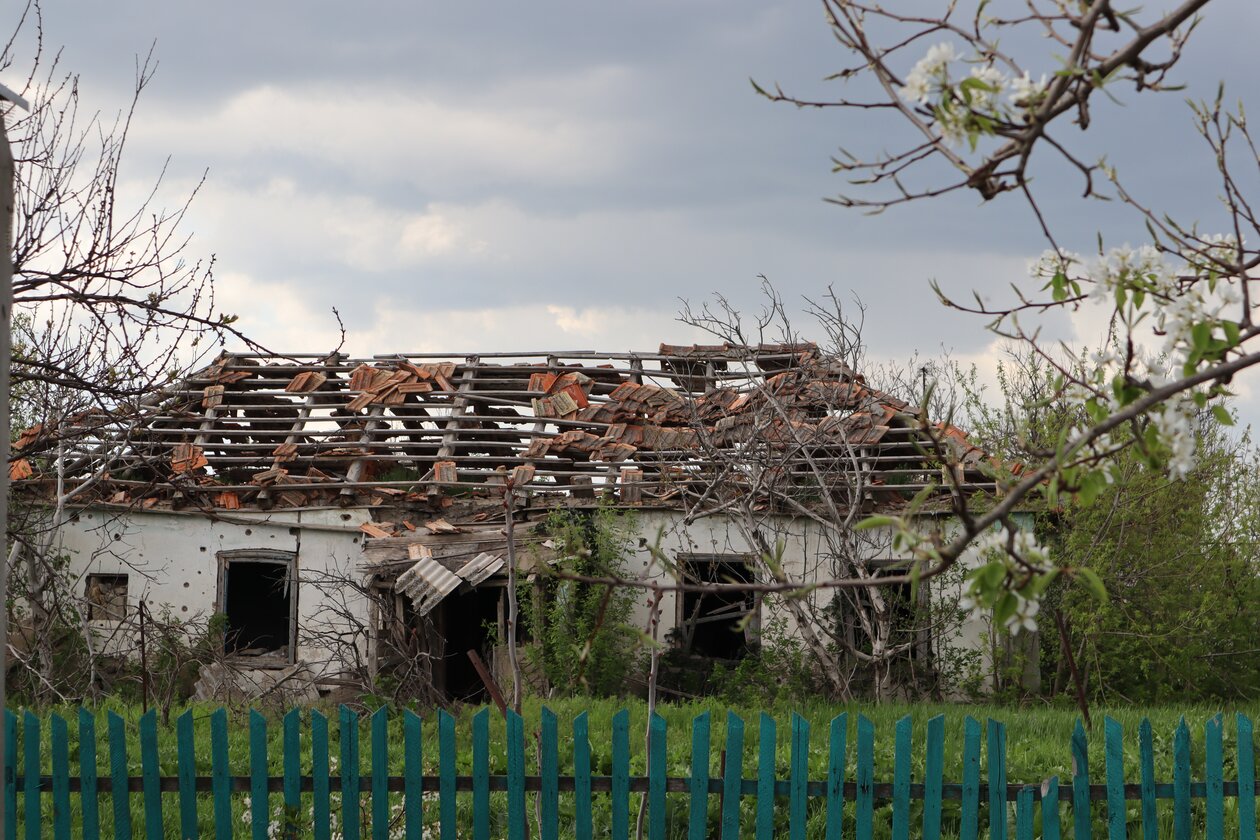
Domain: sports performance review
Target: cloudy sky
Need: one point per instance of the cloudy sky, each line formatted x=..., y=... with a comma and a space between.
x=474, y=176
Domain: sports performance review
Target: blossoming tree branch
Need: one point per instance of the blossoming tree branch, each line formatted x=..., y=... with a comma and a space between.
x=979, y=94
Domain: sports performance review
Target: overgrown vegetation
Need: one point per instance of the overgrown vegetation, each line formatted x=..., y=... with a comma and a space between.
x=583, y=642
x=1176, y=556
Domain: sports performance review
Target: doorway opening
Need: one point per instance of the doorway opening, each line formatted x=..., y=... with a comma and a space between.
x=467, y=620
x=257, y=598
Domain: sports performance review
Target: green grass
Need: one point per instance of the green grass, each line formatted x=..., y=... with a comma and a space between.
x=1037, y=748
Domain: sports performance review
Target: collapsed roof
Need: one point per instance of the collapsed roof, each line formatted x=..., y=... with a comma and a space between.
x=642, y=428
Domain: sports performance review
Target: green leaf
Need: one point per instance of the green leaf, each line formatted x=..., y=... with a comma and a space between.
x=1222, y=415
x=1092, y=582
x=876, y=522
x=1004, y=608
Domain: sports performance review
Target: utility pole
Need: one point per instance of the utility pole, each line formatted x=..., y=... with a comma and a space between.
x=6, y=312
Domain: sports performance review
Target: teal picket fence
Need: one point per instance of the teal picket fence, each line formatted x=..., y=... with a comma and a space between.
x=44, y=796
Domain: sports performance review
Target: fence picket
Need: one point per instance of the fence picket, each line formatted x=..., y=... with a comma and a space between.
x=621, y=775
x=320, y=807
x=60, y=777
x=582, y=824
x=1080, y=784
x=798, y=805
x=698, y=815
x=766, y=741
x=1113, y=735
x=30, y=774
x=1246, y=779
x=1024, y=813
x=380, y=774
x=219, y=782
x=89, y=801
x=187, y=762
x=836, y=769
x=864, y=821
x=970, y=816
x=1181, y=782
x=292, y=747
x=1212, y=760
x=348, y=759
x=118, y=775
x=1146, y=761
x=732, y=776
x=413, y=774
x=933, y=778
x=446, y=769
x=549, y=769
x=996, y=753
x=259, y=798
x=1051, y=829
x=901, y=779
x=10, y=775
x=657, y=771
x=149, y=773
x=481, y=775
x=515, y=780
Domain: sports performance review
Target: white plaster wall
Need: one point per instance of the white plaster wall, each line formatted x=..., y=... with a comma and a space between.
x=171, y=562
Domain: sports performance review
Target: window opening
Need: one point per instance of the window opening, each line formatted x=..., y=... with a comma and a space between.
x=106, y=597
x=717, y=625
x=258, y=602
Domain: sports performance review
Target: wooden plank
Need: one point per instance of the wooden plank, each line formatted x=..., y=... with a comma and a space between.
x=1181, y=781
x=582, y=823
x=320, y=804
x=150, y=773
x=1213, y=774
x=933, y=778
x=996, y=748
x=1113, y=736
x=903, y=747
x=219, y=777
x=292, y=747
x=380, y=774
x=1024, y=813
x=1246, y=778
x=1051, y=828
x=10, y=775
x=732, y=776
x=413, y=773
x=1081, y=824
x=970, y=814
x=515, y=778
x=864, y=817
x=59, y=735
x=31, y=776
x=89, y=801
x=349, y=761
x=836, y=769
x=259, y=798
x=549, y=770
x=657, y=771
x=698, y=813
x=481, y=775
x=446, y=769
x=1146, y=761
x=798, y=804
x=766, y=737
x=621, y=775
x=187, y=765
x=118, y=775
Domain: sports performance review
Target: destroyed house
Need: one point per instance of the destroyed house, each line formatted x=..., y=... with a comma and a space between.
x=347, y=516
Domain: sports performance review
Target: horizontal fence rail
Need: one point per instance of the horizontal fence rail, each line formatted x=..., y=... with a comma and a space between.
x=325, y=793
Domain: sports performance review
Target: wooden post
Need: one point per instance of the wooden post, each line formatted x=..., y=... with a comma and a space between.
x=492, y=688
